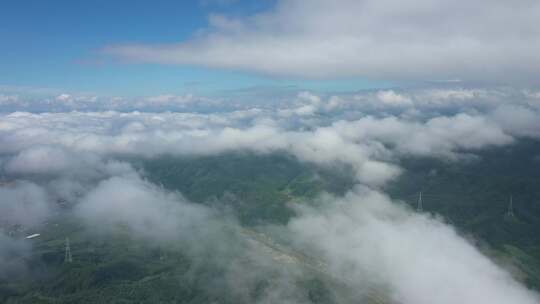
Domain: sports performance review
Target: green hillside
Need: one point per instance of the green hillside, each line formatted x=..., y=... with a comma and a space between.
x=472, y=195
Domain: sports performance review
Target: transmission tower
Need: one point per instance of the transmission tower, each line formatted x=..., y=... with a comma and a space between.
x=510, y=212
x=68, y=258
x=420, y=207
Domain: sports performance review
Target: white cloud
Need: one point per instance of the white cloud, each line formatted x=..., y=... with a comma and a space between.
x=518, y=120
x=449, y=94
x=23, y=203
x=63, y=97
x=533, y=94
x=372, y=243
x=52, y=102
x=169, y=99
x=146, y=210
x=389, y=39
x=63, y=141
x=439, y=136
x=40, y=160
x=5, y=99
x=107, y=134
x=391, y=98
x=10, y=252
x=129, y=204
x=360, y=235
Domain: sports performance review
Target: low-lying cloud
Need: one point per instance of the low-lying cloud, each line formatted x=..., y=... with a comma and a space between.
x=370, y=241
x=363, y=238
x=146, y=210
x=23, y=203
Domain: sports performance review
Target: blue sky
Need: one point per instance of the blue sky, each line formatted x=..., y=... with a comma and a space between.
x=58, y=44
x=218, y=47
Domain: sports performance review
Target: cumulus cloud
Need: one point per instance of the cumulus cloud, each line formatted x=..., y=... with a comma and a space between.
x=63, y=97
x=391, y=98
x=311, y=129
x=146, y=210
x=420, y=40
x=149, y=213
x=518, y=120
x=81, y=157
x=414, y=102
x=47, y=102
x=439, y=136
x=11, y=251
x=61, y=162
x=23, y=203
x=126, y=203
x=370, y=242
x=5, y=99
x=41, y=160
x=148, y=135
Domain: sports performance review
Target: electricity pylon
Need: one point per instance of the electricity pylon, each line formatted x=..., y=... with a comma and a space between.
x=420, y=207
x=510, y=212
x=68, y=258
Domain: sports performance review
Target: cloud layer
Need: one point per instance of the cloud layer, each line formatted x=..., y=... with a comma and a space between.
x=81, y=157
x=370, y=241
x=390, y=39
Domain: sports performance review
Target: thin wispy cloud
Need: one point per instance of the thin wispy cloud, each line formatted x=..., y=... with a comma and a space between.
x=412, y=40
